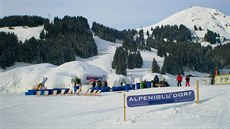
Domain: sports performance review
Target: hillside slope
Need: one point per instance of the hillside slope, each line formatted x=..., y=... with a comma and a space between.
x=22, y=77
x=23, y=32
x=206, y=18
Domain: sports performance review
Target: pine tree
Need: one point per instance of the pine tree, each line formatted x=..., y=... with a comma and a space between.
x=139, y=60
x=141, y=38
x=115, y=58
x=121, y=65
x=155, y=66
x=163, y=70
x=147, y=33
x=3, y=60
x=128, y=42
x=120, y=61
x=42, y=34
x=131, y=61
x=160, y=51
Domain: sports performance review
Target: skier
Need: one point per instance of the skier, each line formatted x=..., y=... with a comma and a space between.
x=179, y=80
x=187, y=81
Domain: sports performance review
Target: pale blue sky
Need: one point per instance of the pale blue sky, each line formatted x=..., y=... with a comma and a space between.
x=119, y=14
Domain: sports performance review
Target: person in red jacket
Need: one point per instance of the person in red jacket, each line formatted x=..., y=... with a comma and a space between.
x=187, y=81
x=179, y=80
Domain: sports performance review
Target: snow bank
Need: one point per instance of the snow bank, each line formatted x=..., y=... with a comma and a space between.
x=23, y=78
x=117, y=80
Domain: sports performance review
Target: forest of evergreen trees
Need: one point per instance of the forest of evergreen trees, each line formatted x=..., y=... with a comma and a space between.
x=18, y=20
x=183, y=52
x=60, y=42
x=220, y=54
x=124, y=59
x=64, y=38
x=127, y=36
x=212, y=37
x=107, y=33
x=8, y=49
x=128, y=55
x=171, y=33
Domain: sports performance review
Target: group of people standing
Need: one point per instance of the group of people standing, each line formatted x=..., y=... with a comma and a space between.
x=159, y=81
x=99, y=83
x=180, y=78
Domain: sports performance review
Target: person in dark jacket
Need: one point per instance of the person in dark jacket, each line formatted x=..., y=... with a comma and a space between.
x=179, y=80
x=94, y=84
x=99, y=83
x=105, y=83
x=155, y=81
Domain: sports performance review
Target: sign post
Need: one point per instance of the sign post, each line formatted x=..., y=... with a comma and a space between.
x=124, y=109
x=197, y=92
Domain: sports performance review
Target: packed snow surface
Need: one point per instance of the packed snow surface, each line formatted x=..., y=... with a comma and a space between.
x=24, y=32
x=18, y=111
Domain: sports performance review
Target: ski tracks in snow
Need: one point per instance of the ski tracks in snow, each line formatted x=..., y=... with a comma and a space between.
x=209, y=110
x=159, y=114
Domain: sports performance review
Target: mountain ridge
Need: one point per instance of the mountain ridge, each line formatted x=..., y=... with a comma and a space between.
x=206, y=18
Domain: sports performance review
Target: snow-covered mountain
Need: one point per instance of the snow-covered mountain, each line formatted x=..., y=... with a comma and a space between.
x=20, y=77
x=206, y=18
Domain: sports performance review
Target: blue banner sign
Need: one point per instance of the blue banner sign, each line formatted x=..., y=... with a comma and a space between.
x=163, y=98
